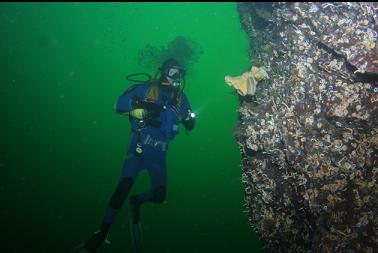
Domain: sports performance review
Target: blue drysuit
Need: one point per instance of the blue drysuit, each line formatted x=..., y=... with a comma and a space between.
x=153, y=140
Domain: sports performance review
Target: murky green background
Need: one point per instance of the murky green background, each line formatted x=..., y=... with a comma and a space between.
x=62, y=67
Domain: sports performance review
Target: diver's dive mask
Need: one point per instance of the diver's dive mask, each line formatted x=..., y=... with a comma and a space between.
x=174, y=76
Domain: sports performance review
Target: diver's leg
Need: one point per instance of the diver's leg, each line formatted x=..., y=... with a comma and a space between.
x=131, y=168
x=158, y=174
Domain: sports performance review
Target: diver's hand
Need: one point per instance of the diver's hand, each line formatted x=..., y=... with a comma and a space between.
x=190, y=115
x=138, y=113
x=189, y=121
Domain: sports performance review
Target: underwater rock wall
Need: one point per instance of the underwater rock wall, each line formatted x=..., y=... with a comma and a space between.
x=309, y=135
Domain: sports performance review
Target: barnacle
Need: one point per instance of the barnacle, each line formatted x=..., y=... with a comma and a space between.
x=369, y=44
x=374, y=141
x=295, y=78
x=338, y=185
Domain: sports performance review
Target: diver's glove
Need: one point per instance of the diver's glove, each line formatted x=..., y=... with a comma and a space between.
x=189, y=120
x=138, y=113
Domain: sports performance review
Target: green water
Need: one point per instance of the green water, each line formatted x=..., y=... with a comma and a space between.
x=62, y=67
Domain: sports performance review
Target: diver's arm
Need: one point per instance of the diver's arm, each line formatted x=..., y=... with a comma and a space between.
x=124, y=103
x=116, y=110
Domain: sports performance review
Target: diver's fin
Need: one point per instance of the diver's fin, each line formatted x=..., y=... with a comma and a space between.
x=80, y=249
x=92, y=244
x=136, y=235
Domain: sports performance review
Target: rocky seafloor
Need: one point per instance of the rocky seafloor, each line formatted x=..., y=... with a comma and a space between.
x=308, y=133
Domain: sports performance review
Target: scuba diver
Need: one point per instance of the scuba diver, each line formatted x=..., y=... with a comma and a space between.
x=155, y=109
